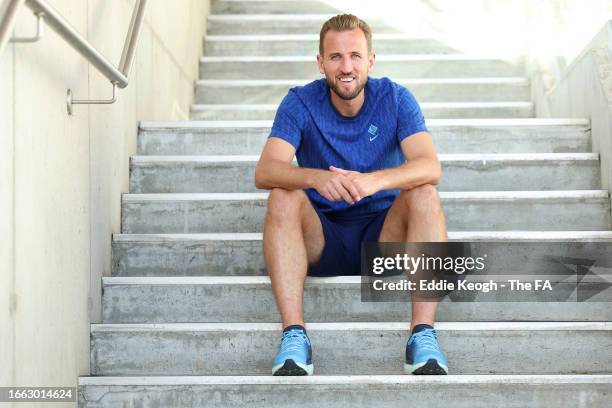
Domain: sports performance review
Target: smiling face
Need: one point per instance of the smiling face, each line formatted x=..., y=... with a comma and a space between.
x=346, y=62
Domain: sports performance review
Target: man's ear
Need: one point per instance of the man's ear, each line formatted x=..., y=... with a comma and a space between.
x=320, y=64
x=371, y=60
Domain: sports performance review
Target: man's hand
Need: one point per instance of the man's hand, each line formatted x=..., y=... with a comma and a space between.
x=365, y=183
x=336, y=186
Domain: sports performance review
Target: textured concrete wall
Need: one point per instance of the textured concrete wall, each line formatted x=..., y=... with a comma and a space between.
x=7, y=271
x=61, y=177
x=559, y=30
x=584, y=90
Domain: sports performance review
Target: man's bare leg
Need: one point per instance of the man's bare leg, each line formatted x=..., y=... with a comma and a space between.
x=417, y=216
x=293, y=239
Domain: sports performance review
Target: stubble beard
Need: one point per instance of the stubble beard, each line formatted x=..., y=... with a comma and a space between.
x=334, y=85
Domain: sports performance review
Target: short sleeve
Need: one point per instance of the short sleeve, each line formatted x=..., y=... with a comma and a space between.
x=286, y=122
x=410, y=119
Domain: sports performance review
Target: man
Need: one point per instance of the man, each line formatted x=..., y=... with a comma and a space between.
x=367, y=166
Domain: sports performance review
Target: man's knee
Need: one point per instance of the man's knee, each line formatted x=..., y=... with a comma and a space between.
x=285, y=203
x=421, y=199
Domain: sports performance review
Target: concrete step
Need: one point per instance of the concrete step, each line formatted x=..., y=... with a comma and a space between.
x=239, y=254
x=450, y=136
x=431, y=110
x=350, y=348
x=281, y=6
x=407, y=23
x=518, y=391
x=213, y=299
x=394, y=66
x=308, y=44
x=291, y=23
x=465, y=211
x=214, y=91
x=461, y=172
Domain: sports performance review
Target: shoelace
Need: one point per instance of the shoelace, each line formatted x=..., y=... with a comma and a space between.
x=427, y=339
x=292, y=340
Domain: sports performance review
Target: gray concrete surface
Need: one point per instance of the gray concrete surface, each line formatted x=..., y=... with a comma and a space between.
x=193, y=213
x=431, y=110
x=398, y=66
x=449, y=136
x=296, y=24
x=425, y=90
x=477, y=172
x=348, y=348
x=213, y=299
x=342, y=391
x=308, y=44
x=240, y=254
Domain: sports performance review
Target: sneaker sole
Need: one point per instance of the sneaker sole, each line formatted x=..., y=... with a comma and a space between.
x=431, y=367
x=291, y=368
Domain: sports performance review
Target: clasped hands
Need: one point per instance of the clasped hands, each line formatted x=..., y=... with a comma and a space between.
x=351, y=186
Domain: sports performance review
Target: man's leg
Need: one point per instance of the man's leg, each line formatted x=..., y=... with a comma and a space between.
x=416, y=216
x=293, y=239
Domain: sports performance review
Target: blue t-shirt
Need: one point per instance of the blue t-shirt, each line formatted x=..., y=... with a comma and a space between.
x=367, y=142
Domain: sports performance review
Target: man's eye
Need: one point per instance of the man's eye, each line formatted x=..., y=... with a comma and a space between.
x=335, y=57
x=356, y=56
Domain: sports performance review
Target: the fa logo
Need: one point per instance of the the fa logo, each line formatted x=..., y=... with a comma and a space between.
x=372, y=130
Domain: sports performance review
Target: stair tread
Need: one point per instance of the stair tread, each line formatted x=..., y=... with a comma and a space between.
x=386, y=57
x=448, y=195
x=300, y=37
x=138, y=159
x=424, y=105
x=347, y=379
x=352, y=326
x=452, y=235
x=406, y=81
x=233, y=280
x=431, y=123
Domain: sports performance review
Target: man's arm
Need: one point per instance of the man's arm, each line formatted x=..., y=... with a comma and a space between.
x=274, y=169
x=422, y=167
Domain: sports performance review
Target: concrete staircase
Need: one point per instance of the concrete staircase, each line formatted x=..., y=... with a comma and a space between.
x=189, y=319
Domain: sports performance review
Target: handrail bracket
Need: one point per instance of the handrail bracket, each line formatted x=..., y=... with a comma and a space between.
x=70, y=101
x=39, y=31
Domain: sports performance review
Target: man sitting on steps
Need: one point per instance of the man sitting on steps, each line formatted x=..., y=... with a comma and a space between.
x=367, y=170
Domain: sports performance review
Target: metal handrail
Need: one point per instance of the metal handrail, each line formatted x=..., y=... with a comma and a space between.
x=117, y=76
x=131, y=38
x=7, y=20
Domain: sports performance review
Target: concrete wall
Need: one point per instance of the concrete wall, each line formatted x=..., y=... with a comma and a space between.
x=584, y=90
x=61, y=177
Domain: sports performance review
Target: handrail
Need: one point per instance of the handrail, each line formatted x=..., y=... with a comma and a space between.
x=7, y=21
x=131, y=38
x=117, y=76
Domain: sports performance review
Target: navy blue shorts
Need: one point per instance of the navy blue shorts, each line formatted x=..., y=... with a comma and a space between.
x=343, y=237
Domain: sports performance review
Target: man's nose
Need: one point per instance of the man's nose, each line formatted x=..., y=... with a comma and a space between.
x=347, y=65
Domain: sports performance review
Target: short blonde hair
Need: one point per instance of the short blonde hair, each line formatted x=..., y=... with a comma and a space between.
x=345, y=22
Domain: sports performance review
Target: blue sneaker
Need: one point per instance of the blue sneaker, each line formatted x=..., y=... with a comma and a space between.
x=295, y=355
x=423, y=355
